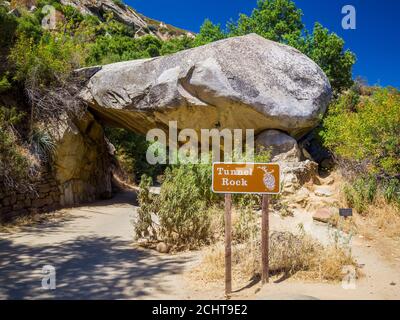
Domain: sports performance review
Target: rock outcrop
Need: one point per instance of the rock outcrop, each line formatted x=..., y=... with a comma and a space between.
x=296, y=171
x=82, y=162
x=126, y=15
x=281, y=146
x=238, y=83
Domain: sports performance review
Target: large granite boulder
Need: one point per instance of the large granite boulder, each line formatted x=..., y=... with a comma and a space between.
x=238, y=83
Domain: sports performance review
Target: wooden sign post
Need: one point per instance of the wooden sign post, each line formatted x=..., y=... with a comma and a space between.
x=265, y=239
x=228, y=244
x=242, y=178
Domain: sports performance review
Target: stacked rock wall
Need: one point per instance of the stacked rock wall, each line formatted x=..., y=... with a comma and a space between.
x=80, y=173
x=46, y=197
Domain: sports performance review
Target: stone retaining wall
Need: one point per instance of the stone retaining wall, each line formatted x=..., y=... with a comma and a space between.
x=80, y=173
x=45, y=198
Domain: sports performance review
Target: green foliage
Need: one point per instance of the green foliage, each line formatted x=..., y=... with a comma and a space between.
x=10, y=116
x=391, y=191
x=176, y=44
x=361, y=193
x=144, y=227
x=277, y=20
x=109, y=49
x=46, y=62
x=42, y=144
x=183, y=205
x=187, y=218
x=209, y=32
x=8, y=26
x=366, y=129
x=4, y=84
x=365, y=190
x=245, y=228
x=327, y=50
x=131, y=151
x=16, y=167
x=29, y=25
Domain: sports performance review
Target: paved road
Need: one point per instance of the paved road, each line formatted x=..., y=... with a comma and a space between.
x=92, y=251
x=93, y=255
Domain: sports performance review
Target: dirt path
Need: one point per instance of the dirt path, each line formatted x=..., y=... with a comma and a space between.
x=380, y=279
x=92, y=250
x=379, y=259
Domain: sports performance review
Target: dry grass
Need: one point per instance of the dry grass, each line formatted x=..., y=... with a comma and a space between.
x=381, y=217
x=31, y=220
x=290, y=255
x=347, y=225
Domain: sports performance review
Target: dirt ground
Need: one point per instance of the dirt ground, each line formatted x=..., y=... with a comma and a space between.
x=92, y=250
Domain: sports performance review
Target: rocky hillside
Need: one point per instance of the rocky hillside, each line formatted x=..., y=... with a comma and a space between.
x=120, y=11
x=126, y=15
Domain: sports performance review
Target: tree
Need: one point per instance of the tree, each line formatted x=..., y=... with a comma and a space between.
x=8, y=26
x=366, y=130
x=209, y=32
x=327, y=50
x=273, y=19
x=176, y=44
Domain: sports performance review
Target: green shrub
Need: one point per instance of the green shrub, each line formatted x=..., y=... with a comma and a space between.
x=176, y=44
x=4, y=84
x=120, y=47
x=29, y=25
x=144, y=227
x=366, y=130
x=17, y=166
x=246, y=227
x=361, y=193
x=8, y=26
x=42, y=144
x=184, y=202
x=183, y=205
x=131, y=151
x=391, y=191
x=209, y=32
x=365, y=191
x=47, y=62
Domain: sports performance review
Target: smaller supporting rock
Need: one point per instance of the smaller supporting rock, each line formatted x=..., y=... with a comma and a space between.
x=323, y=215
x=283, y=147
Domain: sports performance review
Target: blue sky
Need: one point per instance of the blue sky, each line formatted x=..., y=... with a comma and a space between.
x=376, y=41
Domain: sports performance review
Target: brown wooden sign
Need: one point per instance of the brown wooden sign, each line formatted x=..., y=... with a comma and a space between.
x=261, y=178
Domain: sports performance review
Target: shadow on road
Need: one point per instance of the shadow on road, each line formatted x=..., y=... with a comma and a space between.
x=86, y=268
